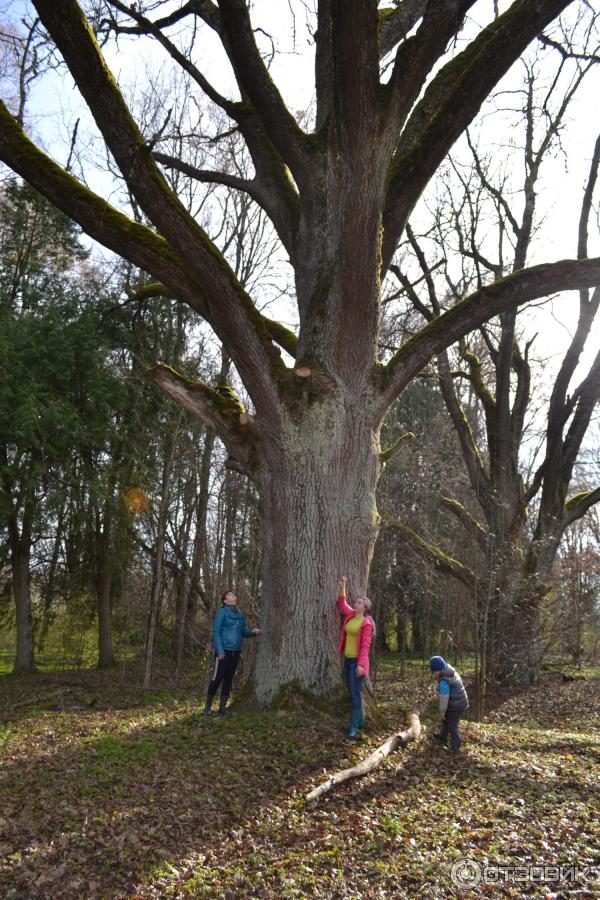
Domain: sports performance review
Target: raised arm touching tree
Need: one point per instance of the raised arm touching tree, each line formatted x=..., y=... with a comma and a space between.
x=339, y=198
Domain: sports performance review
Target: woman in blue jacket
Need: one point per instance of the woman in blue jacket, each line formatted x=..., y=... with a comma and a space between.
x=228, y=633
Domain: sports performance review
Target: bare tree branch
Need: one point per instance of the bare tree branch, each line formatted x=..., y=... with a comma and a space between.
x=451, y=102
x=373, y=760
x=218, y=408
x=434, y=555
x=490, y=300
x=472, y=526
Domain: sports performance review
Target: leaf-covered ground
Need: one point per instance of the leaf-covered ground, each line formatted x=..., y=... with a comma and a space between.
x=107, y=793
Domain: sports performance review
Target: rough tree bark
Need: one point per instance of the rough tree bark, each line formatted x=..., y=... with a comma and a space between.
x=339, y=199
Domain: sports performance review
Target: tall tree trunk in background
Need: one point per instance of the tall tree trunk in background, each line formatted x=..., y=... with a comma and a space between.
x=201, y=570
x=104, y=577
x=21, y=579
x=183, y=586
x=50, y=584
x=231, y=490
x=182, y=594
x=20, y=561
x=157, y=565
x=402, y=627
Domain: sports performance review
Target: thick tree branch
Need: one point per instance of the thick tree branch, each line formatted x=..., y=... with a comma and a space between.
x=219, y=408
x=390, y=452
x=473, y=311
x=416, y=57
x=587, y=396
x=485, y=396
x=471, y=525
x=354, y=38
x=577, y=506
x=395, y=24
x=255, y=83
x=324, y=81
x=522, y=397
x=451, y=102
x=434, y=555
x=286, y=339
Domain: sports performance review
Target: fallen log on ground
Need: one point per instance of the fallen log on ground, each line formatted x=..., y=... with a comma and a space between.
x=412, y=733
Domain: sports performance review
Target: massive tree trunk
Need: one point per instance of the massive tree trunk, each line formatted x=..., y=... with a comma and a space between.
x=318, y=490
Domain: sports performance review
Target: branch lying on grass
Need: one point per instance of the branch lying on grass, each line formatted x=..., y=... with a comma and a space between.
x=412, y=733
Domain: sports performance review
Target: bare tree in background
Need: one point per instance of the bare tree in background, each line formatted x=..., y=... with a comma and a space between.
x=519, y=517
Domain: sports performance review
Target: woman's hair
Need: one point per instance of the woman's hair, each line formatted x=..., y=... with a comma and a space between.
x=367, y=603
x=224, y=594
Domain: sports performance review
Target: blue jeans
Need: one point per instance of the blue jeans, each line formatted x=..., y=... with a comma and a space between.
x=354, y=682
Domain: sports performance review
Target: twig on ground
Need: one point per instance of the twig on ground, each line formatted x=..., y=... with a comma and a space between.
x=412, y=733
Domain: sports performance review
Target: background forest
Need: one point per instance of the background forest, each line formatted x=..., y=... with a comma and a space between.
x=122, y=522
x=123, y=516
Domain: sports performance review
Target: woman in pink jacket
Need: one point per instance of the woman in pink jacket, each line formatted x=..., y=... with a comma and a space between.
x=358, y=629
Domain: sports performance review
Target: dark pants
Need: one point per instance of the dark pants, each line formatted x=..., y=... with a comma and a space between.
x=223, y=672
x=354, y=682
x=450, y=725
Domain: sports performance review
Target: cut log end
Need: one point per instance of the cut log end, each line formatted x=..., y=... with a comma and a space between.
x=303, y=372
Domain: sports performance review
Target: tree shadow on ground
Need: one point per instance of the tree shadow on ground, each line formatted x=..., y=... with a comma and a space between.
x=95, y=801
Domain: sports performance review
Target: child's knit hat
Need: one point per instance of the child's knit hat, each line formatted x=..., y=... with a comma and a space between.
x=437, y=663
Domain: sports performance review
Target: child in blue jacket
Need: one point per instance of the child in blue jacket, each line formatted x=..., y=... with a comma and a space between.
x=228, y=633
x=453, y=701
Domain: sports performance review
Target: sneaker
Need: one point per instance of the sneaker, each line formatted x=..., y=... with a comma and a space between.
x=223, y=712
x=207, y=712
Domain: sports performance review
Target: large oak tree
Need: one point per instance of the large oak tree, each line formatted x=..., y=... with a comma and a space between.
x=339, y=198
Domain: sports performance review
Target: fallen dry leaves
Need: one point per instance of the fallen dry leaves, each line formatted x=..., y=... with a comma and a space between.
x=107, y=793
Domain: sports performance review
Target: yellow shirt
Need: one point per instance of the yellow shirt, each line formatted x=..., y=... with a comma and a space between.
x=352, y=627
